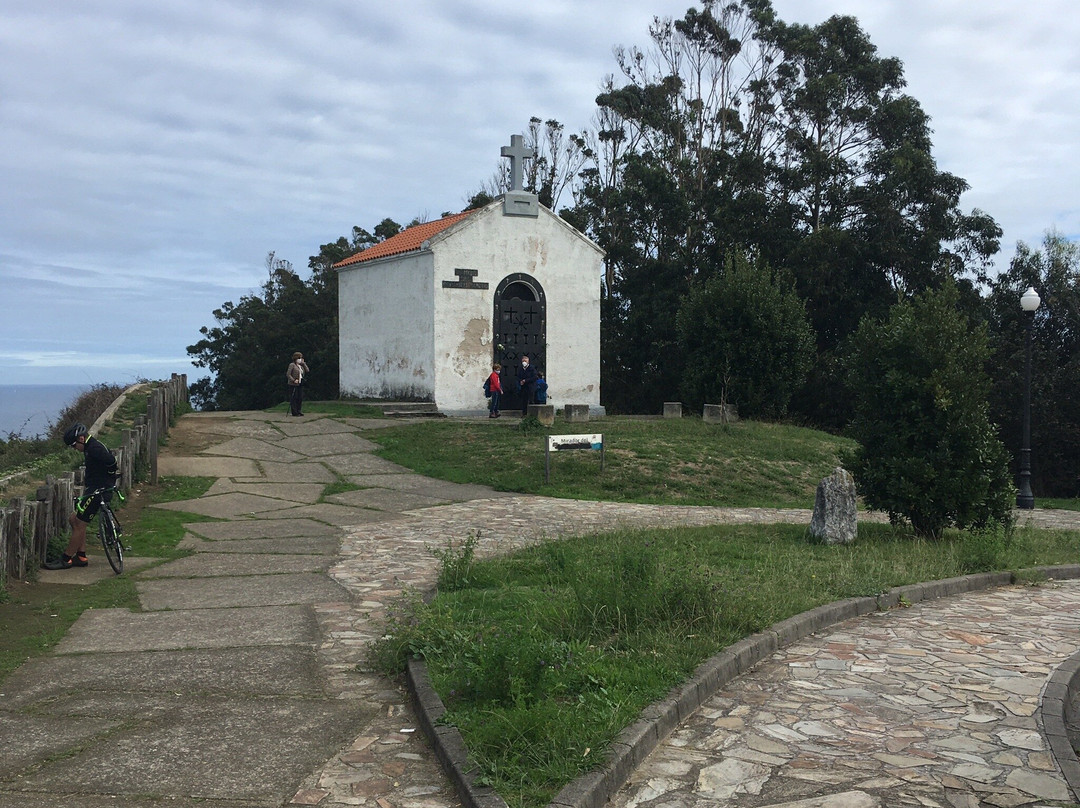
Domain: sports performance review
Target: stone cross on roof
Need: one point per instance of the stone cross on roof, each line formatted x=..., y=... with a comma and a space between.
x=517, y=151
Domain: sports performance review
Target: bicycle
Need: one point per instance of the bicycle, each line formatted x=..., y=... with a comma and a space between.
x=109, y=530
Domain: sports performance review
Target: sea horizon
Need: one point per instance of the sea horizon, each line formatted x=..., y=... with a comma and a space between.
x=28, y=410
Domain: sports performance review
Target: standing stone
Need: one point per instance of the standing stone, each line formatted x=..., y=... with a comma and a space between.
x=834, y=520
x=673, y=409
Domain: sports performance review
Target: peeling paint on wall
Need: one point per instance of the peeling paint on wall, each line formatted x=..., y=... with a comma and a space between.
x=540, y=247
x=473, y=347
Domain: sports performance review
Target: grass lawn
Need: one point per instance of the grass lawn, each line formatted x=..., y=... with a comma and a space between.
x=678, y=462
x=1057, y=504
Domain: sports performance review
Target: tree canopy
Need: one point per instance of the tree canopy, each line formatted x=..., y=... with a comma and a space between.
x=250, y=347
x=737, y=133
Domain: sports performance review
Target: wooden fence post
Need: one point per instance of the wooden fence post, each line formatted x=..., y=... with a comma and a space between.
x=161, y=426
x=13, y=530
x=3, y=547
x=65, y=499
x=44, y=527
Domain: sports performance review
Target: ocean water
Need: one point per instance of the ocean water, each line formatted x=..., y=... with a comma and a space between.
x=28, y=409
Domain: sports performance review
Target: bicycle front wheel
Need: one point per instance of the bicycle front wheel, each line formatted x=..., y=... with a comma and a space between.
x=109, y=531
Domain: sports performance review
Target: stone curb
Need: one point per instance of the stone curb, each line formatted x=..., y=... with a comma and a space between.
x=1055, y=703
x=635, y=742
x=447, y=742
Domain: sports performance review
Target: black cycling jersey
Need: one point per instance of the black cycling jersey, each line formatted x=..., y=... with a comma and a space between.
x=101, y=469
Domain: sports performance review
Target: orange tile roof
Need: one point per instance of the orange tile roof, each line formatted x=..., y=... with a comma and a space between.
x=405, y=241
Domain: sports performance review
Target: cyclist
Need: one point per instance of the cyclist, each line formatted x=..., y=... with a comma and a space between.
x=101, y=472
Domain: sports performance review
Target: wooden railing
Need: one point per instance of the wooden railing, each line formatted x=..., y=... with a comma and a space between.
x=27, y=526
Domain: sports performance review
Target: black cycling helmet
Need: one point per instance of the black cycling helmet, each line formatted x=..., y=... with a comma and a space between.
x=74, y=432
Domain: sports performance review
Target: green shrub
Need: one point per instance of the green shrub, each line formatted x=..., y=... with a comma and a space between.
x=748, y=341
x=87, y=407
x=531, y=425
x=928, y=453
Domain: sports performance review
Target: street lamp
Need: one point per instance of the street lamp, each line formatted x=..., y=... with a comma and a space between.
x=1024, y=498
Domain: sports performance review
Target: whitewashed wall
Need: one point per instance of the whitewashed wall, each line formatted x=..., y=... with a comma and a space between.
x=386, y=326
x=566, y=265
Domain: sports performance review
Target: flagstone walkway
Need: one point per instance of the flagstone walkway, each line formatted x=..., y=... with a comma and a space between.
x=243, y=682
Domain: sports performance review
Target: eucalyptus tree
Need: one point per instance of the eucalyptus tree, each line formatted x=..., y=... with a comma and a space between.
x=671, y=187
x=874, y=219
x=735, y=132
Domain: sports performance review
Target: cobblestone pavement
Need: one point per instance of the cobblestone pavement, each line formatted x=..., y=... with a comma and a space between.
x=932, y=705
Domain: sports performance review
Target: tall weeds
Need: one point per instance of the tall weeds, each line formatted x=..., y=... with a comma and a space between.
x=17, y=452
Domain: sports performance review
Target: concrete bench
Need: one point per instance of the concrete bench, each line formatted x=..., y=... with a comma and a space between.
x=719, y=414
x=544, y=413
x=576, y=413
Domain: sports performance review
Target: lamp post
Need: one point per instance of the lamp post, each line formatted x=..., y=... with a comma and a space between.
x=1024, y=498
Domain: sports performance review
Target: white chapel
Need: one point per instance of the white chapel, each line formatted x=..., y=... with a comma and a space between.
x=424, y=314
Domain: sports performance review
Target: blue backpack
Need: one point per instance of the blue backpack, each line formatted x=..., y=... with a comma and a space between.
x=541, y=391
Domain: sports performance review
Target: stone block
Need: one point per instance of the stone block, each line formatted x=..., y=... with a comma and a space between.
x=544, y=413
x=664, y=714
x=688, y=698
x=585, y=791
x=576, y=413
x=719, y=414
x=673, y=409
x=835, y=518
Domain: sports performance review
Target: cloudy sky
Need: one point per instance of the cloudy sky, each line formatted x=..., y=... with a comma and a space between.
x=151, y=154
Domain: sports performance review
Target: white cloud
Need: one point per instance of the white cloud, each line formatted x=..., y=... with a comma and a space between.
x=149, y=170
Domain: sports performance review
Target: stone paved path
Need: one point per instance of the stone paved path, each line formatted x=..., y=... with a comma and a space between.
x=933, y=705
x=243, y=681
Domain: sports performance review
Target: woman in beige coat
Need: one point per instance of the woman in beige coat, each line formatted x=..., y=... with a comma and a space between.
x=298, y=369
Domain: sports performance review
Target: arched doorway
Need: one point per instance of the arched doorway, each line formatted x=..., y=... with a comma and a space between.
x=520, y=330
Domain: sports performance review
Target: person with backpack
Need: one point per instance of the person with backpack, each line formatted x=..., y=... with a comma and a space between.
x=541, y=388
